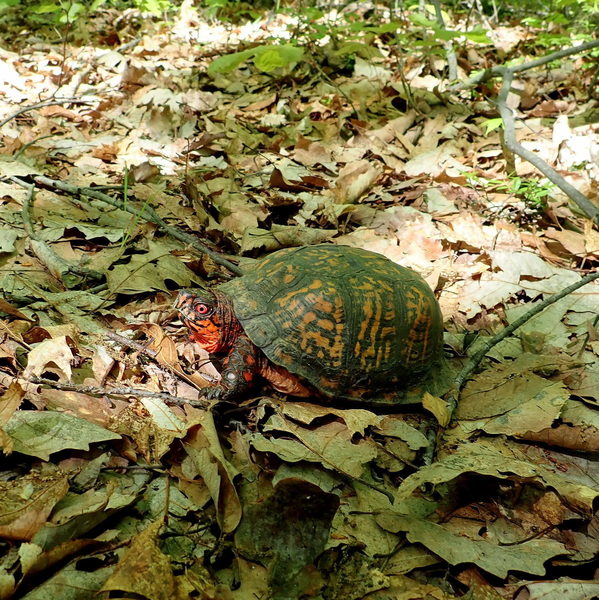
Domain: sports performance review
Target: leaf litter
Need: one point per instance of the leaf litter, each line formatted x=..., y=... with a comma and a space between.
x=119, y=485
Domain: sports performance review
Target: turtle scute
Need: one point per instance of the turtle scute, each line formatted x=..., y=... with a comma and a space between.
x=350, y=322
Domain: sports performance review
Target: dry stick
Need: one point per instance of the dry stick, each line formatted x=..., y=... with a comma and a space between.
x=452, y=61
x=93, y=390
x=585, y=205
x=53, y=102
x=147, y=212
x=497, y=71
x=470, y=366
x=164, y=367
x=123, y=341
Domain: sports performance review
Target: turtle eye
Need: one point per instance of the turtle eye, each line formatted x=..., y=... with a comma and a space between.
x=202, y=309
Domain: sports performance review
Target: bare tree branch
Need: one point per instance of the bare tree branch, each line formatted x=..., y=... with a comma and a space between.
x=498, y=71
x=475, y=360
x=146, y=212
x=507, y=73
x=512, y=144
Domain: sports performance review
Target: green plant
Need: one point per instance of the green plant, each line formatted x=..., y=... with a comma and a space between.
x=63, y=12
x=266, y=58
x=533, y=192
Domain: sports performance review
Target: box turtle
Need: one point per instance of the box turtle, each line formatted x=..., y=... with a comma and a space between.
x=334, y=320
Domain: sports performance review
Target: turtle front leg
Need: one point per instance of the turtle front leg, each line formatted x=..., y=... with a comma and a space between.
x=239, y=370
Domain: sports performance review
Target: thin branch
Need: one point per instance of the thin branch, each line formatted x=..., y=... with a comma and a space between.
x=53, y=102
x=147, y=212
x=452, y=61
x=507, y=73
x=123, y=341
x=93, y=390
x=499, y=70
x=585, y=205
x=475, y=360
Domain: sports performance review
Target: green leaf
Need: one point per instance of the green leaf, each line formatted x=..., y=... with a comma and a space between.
x=269, y=58
x=156, y=7
x=6, y=3
x=40, y=434
x=72, y=577
x=45, y=7
x=503, y=460
x=492, y=124
x=286, y=532
x=147, y=272
x=512, y=399
x=478, y=35
x=528, y=557
x=27, y=501
x=205, y=458
x=358, y=48
x=421, y=20
x=142, y=566
x=385, y=27
x=266, y=58
x=229, y=62
x=446, y=34
x=8, y=237
x=331, y=444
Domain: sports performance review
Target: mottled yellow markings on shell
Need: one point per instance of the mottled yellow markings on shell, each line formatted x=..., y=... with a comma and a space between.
x=418, y=343
x=387, y=325
x=325, y=324
x=324, y=306
x=313, y=339
x=343, y=316
x=293, y=301
x=318, y=336
x=251, y=303
x=293, y=305
x=367, y=347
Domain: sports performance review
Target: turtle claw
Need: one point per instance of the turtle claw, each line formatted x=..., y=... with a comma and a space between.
x=219, y=393
x=216, y=392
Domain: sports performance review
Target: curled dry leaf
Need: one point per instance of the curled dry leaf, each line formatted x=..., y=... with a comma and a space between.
x=52, y=355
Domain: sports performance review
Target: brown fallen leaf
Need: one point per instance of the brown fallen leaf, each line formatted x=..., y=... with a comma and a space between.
x=53, y=355
x=9, y=309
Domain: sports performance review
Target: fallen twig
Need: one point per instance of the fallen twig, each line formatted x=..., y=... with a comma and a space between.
x=509, y=132
x=453, y=395
x=123, y=341
x=498, y=71
x=507, y=73
x=452, y=61
x=92, y=390
x=146, y=212
x=53, y=102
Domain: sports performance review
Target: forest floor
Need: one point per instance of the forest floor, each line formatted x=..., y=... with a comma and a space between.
x=118, y=477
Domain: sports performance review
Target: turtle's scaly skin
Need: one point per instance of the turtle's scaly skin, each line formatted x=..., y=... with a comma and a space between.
x=345, y=321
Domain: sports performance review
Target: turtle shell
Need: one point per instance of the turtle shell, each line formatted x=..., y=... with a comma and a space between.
x=349, y=321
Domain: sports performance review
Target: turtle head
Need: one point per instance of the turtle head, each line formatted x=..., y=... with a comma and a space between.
x=209, y=317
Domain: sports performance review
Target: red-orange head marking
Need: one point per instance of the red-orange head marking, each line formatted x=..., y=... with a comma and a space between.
x=209, y=317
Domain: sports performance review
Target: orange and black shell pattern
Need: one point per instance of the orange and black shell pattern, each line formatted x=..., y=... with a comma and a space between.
x=348, y=321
